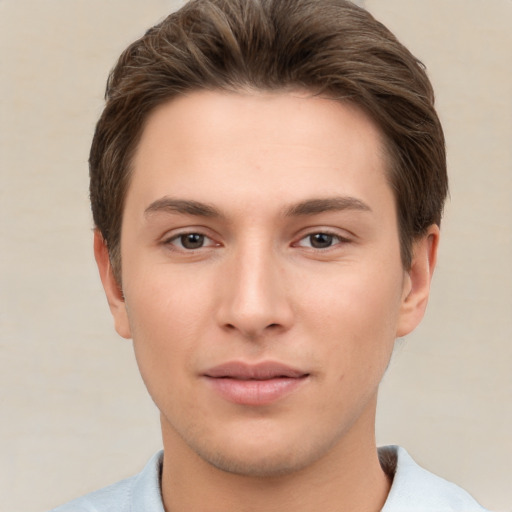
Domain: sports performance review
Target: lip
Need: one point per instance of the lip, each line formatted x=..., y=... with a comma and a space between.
x=255, y=384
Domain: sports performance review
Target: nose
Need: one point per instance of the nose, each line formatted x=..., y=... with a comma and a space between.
x=255, y=297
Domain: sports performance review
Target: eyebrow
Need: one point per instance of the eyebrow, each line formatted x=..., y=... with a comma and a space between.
x=308, y=207
x=183, y=206
x=316, y=206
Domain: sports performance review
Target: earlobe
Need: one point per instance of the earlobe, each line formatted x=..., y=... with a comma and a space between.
x=112, y=289
x=417, y=281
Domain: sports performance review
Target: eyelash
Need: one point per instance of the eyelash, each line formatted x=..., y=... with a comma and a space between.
x=335, y=239
x=181, y=236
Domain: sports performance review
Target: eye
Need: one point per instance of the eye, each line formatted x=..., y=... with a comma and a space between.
x=190, y=241
x=321, y=240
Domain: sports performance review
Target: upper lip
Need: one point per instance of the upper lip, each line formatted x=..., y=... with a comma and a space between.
x=261, y=371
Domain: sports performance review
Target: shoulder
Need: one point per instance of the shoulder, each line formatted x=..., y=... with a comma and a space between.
x=139, y=492
x=415, y=489
x=114, y=497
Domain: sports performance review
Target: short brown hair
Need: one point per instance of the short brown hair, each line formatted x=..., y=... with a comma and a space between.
x=329, y=47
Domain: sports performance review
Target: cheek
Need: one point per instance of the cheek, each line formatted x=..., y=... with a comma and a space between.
x=166, y=318
x=355, y=298
x=162, y=303
x=355, y=317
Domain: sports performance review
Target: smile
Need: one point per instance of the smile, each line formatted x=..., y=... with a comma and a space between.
x=260, y=384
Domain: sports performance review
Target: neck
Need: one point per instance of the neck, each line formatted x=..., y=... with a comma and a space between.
x=348, y=478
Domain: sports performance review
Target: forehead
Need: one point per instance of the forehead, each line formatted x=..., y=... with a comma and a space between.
x=255, y=148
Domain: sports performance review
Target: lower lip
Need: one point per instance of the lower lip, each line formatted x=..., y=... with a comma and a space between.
x=255, y=392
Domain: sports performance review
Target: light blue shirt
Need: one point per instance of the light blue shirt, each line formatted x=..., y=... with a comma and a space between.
x=414, y=489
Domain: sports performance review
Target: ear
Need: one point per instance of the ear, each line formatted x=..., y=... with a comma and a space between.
x=416, y=288
x=112, y=289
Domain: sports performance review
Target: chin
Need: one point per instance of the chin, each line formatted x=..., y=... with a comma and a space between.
x=266, y=466
x=263, y=458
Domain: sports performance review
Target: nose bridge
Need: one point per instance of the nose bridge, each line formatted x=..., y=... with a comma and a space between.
x=255, y=299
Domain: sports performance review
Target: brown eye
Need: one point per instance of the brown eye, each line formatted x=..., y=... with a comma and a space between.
x=185, y=242
x=321, y=240
x=191, y=241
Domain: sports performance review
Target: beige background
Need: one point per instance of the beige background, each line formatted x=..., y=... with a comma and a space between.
x=74, y=413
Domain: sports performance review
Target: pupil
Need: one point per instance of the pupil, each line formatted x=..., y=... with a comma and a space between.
x=321, y=240
x=192, y=241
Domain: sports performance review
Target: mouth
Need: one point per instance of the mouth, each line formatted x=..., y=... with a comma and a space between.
x=255, y=384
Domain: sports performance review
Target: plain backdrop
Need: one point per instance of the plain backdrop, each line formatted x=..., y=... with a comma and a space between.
x=75, y=415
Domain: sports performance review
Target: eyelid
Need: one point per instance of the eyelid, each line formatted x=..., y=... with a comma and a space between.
x=342, y=239
x=169, y=238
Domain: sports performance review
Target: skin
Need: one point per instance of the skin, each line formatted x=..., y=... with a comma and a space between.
x=261, y=288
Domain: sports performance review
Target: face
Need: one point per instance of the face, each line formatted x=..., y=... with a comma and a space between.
x=262, y=280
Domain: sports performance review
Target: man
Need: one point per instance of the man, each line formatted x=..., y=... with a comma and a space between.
x=267, y=183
